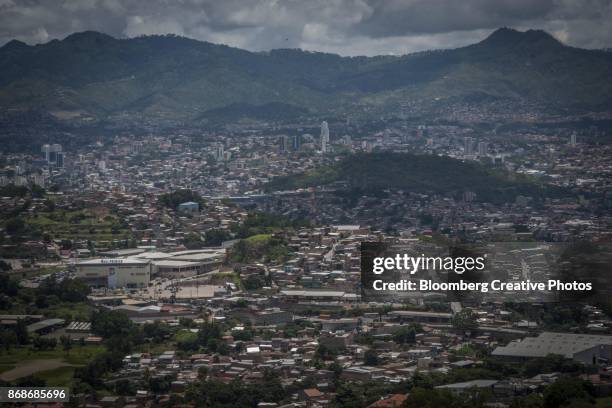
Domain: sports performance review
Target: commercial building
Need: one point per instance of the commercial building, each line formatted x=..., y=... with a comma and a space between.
x=136, y=270
x=115, y=273
x=53, y=154
x=468, y=146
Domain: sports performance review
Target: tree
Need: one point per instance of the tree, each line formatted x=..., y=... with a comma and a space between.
x=427, y=398
x=67, y=290
x=49, y=205
x=551, y=363
x=193, y=241
x=14, y=226
x=215, y=236
x=324, y=353
x=66, y=343
x=530, y=401
x=8, y=286
x=108, y=323
x=21, y=332
x=566, y=390
x=156, y=331
x=209, y=335
x=8, y=339
x=242, y=335
x=173, y=199
x=370, y=357
x=37, y=191
x=43, y=343
x=421, y=380
x=347, y=396
x=202, y=373
x=93, y=372
x=125, y=387
x=434, y=398
x=253, y=282
x=336, y=368
x=464, y=320
x=405, y=334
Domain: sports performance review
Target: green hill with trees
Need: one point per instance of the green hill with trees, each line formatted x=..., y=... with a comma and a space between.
x=372, y=173
x=95, y=74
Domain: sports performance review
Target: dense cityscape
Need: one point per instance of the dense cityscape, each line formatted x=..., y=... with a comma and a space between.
x=305, y=204
x=171, y=269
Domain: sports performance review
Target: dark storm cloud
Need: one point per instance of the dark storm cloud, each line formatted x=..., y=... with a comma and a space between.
x=401, y=17
x=346, y=27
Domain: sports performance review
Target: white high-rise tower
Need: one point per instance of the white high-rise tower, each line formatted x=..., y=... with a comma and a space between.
x=324, y=136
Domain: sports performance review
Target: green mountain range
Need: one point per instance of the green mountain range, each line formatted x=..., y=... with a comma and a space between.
x=175, y=77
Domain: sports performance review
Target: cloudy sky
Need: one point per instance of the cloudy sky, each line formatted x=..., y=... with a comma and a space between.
x=346, y=27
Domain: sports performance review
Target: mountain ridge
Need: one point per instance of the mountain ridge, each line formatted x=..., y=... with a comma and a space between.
x=102, y=75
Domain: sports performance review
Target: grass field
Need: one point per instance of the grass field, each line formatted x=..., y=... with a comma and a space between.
x=78, y=355
x=56, y=366
x=603, y=402
x=58, y=377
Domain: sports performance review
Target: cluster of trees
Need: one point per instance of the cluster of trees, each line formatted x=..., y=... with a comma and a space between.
x=211, y=393
x=15, y=336
x=407, y=334
x=111, y=323
x=254, y=282
x=216, y=236
x=66, y=290
x=324, y=353
x=92, y=374
x=15, y=226
x=50, y=291
x=11, y=190
x=120, y=337
x=212, y=237
x=556, y=316
x=566, y=392
x=242, y=335
x=358, y=395
x=264, y=247
x=464, y=320
x=370, y=173
x=550, y=364
x=207, y=339
x=173, y=199
x=8, y=286
x=193, y=241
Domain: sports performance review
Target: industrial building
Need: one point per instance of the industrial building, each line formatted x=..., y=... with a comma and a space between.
x=585, y=348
